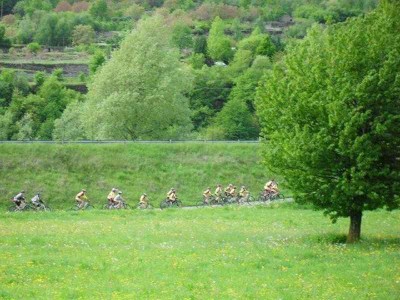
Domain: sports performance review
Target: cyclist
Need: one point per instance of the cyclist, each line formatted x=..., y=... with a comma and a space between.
x=171, y=196
x=232, y=192
x=218, y=193
x=81, y=198
x=144, y=200
x=111, y=197
x=271, y=188
x=243, y=194
x=37, y=201
x=118, y=200
x=228, y=190
x=19, y=200
x=207, y=194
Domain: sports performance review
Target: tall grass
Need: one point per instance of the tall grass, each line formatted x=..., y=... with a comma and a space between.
x=61, y=171
x=279, y=252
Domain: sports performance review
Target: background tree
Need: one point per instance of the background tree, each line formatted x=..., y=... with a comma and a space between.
x=83, y=35
x=219, y=45
x=99, y=9
x=182, y=36
x=139, y=92
x=4, y=41
x=96, y=61
x=330, y=114
x=70, y=125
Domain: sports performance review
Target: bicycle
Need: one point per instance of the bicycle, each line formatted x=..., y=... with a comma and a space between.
x=168, y=203
x=38, y=204
x=124, y=205
x=24, y=207
x=144, y=206
x=270, y=196
x=41, y=207
x=86, y=206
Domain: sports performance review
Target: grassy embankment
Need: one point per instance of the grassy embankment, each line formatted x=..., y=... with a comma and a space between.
x=279, y=252
x=60, y=171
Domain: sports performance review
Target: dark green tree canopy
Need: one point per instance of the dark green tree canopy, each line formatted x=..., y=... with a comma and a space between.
x=330, y=114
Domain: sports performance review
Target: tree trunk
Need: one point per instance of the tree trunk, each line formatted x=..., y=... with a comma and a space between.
x=355, y=227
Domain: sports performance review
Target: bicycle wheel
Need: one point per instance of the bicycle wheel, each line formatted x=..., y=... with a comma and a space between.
x=28, y=208
x=89, y=207
x=12, y=208
x=126, y=206
x=164, y=204
x=201, y=204
x=251, y=199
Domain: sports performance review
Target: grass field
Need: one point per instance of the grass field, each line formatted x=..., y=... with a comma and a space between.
x=61, y=171
x=278, y=252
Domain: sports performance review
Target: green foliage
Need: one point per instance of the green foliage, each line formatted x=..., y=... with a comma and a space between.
x=200, y=45
x=39, y=78
x=236, y=121
x=218, y=44
x=33, y=48
x=10, y=82
x=58, y=73
x=139, y=92
x=30, y=116
x=182, y=36
x=96, y=61
x=210, y=91
x=4, y=41
x=83, y=35
x=197, y=60
x=258, y=44
x=330, y=113
x=99, y=9
x=70, y=125
x=25, y=128
x=30, y=6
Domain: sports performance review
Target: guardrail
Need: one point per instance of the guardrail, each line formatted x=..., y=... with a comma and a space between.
x=128, y=142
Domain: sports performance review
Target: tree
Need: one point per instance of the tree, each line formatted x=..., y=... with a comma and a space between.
x=236, y=121
x=219, y=45
x=25, y=128
x=200, y=45
x=182, y=36
x=330, y=113
x=70, y=125
x=63, y=6
x=99, y=9
x=210, y=92
x=83, y=35
x=4, y=41
x=33, y=48
x=96, y=61
x=139, y=92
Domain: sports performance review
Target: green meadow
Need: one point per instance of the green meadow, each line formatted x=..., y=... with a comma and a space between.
x=60, y=171
x=283, y=251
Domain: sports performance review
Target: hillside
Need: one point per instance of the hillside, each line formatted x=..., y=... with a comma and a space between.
x=60, y=171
